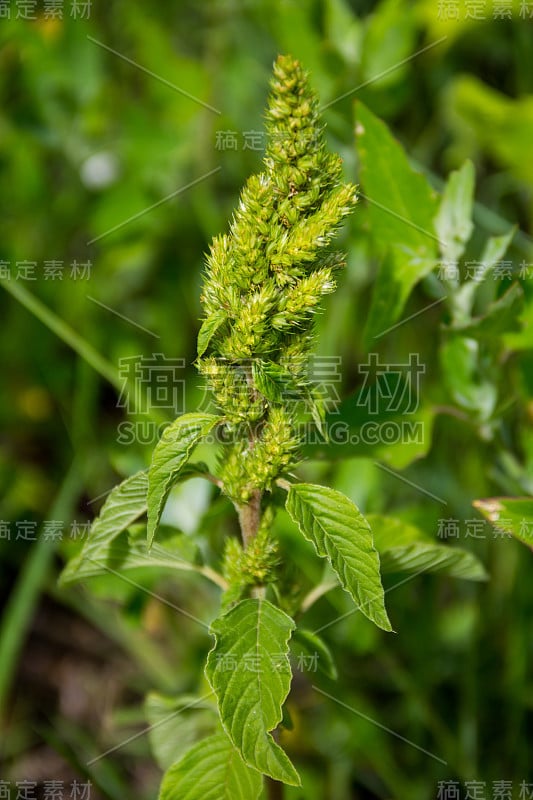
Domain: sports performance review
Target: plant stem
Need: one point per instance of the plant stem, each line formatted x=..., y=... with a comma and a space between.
x=316, y=593
x=249, y=517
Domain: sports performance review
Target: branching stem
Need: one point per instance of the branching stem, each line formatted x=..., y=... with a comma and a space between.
x=250, y=517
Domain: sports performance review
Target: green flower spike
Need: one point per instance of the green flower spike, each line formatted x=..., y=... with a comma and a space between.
x=263, y=287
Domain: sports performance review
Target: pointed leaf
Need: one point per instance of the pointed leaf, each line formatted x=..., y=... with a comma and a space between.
x=312, y=653
x=453, y=222
x=339, y=531
x=494, y=250
x=129, y=552
x=511, y=516
x=250, y=673
x=502, y=316
x=169, y=458
x=355, y=429
x=208, y=329
x=176, y=723
x=402, y=204
x=317, y=406
x=125, y=504
x=401, y=208
x=211, y=770
x=398, y=274
x=273, y=381
x=389, y=41
x=429, y=557
x=459, y=368
x=405, y=548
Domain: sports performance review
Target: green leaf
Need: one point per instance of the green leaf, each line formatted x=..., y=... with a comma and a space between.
x=316, y=404
x=401, y=209
x=125, y=504
x=428, y=557
x=407, y=204
x=343, y=29
x=176, y=723
x=169, y=458
x=494, y=250
x=129, y=551
x=312, y=653
x=510, y=515
x=369, y=425
x=389, y=39
x=208, y=329
x=339, y=531
x=502, y=316
x=274, y=382
x=405, y=548
x=459, y=364
x=523, y=339
x=397, y=275
x=492, y=122
x=211, y=770
x=453, y=222
x=250, y=673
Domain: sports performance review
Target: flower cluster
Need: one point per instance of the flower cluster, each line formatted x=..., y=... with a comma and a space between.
x=264, y=283
x=254, y=566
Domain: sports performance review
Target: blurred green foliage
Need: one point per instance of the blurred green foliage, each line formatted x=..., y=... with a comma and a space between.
x=105, y=117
